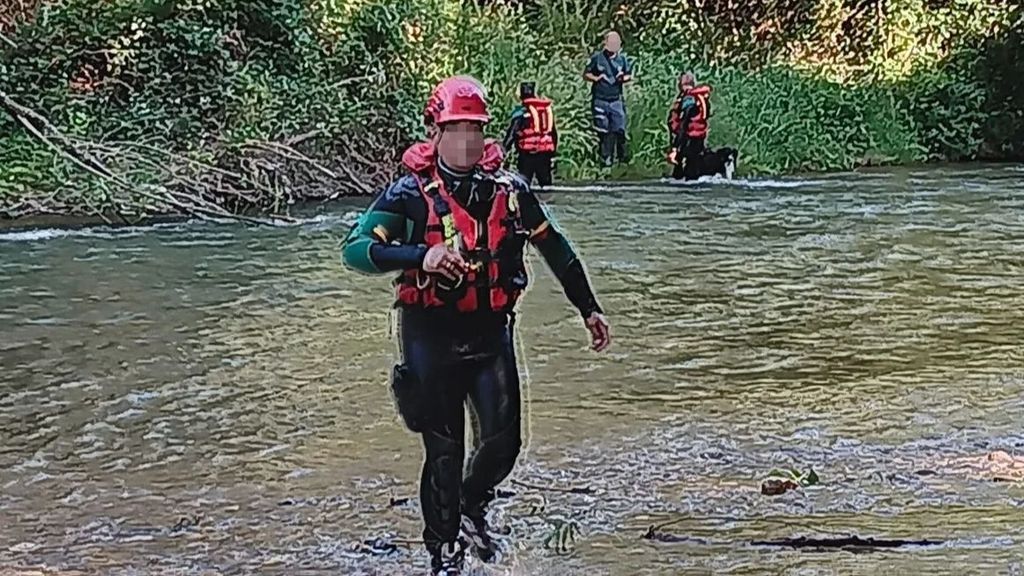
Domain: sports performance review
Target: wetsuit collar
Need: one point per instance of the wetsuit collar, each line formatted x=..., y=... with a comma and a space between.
x=464, y=185
x=449, y=171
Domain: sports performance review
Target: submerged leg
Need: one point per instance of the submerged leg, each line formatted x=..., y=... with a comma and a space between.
x=494, y=396
x=441, y=402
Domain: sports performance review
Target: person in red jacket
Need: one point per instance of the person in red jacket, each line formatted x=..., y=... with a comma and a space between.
x=688, y=126
x=454, y=230
x=532, y=132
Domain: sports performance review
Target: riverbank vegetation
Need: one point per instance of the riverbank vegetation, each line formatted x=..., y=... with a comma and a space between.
x=129, y=108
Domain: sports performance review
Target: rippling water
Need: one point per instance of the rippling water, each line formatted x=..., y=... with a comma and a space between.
x=210, y=399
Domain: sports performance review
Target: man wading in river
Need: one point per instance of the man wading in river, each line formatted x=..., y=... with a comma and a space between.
x=608, y=71
x=456, y=228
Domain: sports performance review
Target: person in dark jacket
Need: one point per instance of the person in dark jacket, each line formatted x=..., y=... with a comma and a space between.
x=608, y=71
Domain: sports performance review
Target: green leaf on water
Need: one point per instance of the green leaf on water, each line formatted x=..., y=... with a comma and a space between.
x=809, y=478
x=784, y=474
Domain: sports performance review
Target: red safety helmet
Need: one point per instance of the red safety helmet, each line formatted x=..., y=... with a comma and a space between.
x=454, y=99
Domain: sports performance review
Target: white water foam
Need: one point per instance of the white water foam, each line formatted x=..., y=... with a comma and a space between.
x=35, y=235
x=43, y=234
x=664, y=184
x=345, y=219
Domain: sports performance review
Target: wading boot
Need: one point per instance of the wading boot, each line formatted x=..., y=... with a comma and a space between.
x=474, y=526
x=447, y=559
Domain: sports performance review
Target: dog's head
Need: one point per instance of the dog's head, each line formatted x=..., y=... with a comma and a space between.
x=730, y=160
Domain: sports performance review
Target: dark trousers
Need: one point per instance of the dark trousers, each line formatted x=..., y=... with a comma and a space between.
x=539, y=165
x=688, y=159
x=610, y=119
x=455, y=359
x=612, y=146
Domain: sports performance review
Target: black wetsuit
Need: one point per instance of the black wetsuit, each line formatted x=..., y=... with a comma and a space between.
x=451, y=357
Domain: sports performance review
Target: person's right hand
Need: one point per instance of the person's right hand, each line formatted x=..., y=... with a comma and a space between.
x=440, y=259
x=600, y=332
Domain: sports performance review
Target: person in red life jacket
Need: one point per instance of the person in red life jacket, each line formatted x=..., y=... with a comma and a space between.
x=454, y=229
x=688, y=127
x=532, y=132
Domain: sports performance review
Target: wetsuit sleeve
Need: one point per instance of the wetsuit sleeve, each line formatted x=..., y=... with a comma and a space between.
x=558, y=253
x=379, y=241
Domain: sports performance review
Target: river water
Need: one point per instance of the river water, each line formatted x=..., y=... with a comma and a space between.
x=211, y=399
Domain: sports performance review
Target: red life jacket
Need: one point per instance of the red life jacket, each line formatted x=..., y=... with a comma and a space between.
x=673, y=115
x=698, y=126
x=537, y=136
x=450, y=223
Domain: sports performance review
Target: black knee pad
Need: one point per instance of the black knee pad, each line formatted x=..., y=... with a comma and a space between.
x=441, y=486
x=444, y=456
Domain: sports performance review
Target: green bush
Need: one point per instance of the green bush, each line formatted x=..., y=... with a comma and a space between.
x=799, y=85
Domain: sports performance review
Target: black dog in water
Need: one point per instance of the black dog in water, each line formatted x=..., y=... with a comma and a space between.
x=718, y=162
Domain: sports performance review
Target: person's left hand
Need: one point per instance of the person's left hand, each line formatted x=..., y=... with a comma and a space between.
x=600, y=332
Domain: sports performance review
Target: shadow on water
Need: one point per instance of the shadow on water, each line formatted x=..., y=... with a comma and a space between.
x=189, y=399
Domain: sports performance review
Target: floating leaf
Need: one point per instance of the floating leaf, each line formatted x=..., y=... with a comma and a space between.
x=780, y=481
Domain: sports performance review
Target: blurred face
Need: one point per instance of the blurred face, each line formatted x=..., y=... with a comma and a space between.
x=461, y=144
x=612, y=42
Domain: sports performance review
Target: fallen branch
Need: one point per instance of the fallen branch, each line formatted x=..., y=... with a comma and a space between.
x=355, y=184
x=848, y=542
x=98, y=212
x=353, y=80
x=289, y=152
x=24, y=116
x=572, y=490
x=8, y=41
x=657, y=528
x=145, y=177
x=383, y=546
x=666, y=537
x=64, y=147
x=355, y=181
x=302, y=137
x=181, y=158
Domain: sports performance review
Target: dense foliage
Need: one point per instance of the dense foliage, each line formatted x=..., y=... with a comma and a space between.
x=799, y=84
